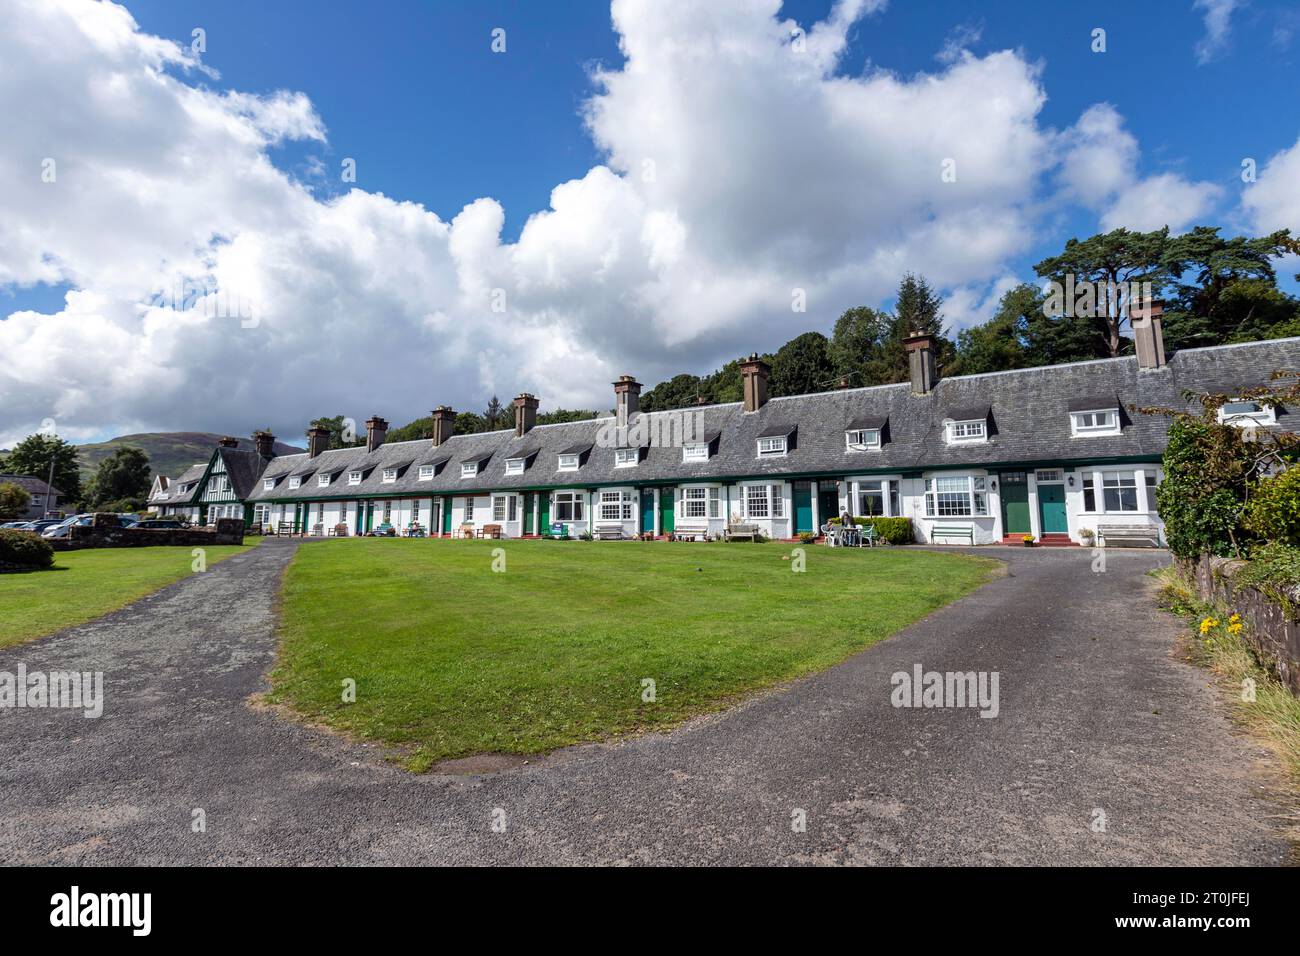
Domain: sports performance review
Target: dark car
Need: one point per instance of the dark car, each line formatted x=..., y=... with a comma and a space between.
x=37, y=526
x=160, y=523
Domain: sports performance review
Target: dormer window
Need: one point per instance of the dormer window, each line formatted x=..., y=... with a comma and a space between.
x=626, y=457
x=426, y=472
x=390, y=474
x=323, y=481
x=695, y=451
x=295, y=482
x=514, y=466
x=967, y=431
x=1098, y=422
x=1247, y=413
x=354, y=477
x=772, y=447
x=568, y=463
x=468, y=469
x=267, y=484
x=862, y=439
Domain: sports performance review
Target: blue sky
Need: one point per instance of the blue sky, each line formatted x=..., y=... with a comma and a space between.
x=413, y=92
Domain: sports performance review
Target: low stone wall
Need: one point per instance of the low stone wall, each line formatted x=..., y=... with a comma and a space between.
x=102, y=534
x=1270, y=631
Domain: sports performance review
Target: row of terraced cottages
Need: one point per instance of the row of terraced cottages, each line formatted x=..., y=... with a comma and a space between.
x=972, y=459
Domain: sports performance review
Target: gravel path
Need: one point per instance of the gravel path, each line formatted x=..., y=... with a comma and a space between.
x=1095, y=714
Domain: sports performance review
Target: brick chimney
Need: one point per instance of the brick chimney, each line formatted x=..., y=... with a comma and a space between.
x=920, y=361
x=376, y=429
x=627, y=396
x=1148, y=338
x=264, y=443
x=228, y=442
x=318, y=440
x=444, y=424
x=755, y=371
x=525, y=413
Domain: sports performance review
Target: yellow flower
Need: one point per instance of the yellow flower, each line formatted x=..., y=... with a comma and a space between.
x=1234, y=628
x=1236, y=618
x=1208, y=624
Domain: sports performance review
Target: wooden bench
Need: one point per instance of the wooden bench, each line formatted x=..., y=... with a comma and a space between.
x=742, y=532
x=255, y=528
x=318, y=530
x=340, y=530
x=284, y=529
x=490, y=531
x=610, y=532
x=953, y=531
x=1128, y=532
x=466, y=531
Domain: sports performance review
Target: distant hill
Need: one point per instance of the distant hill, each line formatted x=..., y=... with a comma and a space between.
x=169, y=453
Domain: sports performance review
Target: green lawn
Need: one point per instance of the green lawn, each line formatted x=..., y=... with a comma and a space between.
x=84, y=585
x=452, y=659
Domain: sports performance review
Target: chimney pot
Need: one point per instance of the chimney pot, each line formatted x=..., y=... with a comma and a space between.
x=318, y=440
x=627, y=396
x=228, y=442
x=525, y=413
x=920, y=348
x=1148, y=337
x=444, y=424
x=754, y=372
x=264, y=443
x=376, y=429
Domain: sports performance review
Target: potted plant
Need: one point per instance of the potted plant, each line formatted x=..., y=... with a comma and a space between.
x=1086, y=535
x=1028, y=540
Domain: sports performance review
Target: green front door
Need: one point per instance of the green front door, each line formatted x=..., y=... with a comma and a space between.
x=1051, y=508
x=544, y=512
x=666, y=522
x=1014, y=491
x=647, y=511
x=446, y=515
x=803, y=519
x=528, y=512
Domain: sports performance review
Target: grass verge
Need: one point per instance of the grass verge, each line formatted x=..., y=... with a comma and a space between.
x=452, y=658
x=84, y=585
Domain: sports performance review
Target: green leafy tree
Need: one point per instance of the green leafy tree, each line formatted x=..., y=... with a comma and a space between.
x=999, y=344
x=32, y=456
x=680, y=391
x=14, y=500
x=856, y=341
x=1273, y=509
x=560, y=415
x=726, y=384
x=123, y=476
x=1109, y=259
x=802, y=366
x=338, y=429
x=467, y=423
x=917, y=310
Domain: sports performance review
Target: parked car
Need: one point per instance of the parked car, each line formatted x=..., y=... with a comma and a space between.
x=15, y=525
x=60, y=530
x=157, y=523
x=37, y=526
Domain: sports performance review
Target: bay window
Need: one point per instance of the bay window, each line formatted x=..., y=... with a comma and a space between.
x=877, y=498
x=951, y=496
x=1118, y=491
x=615, y=506
x=701, y=503
x=764, y=501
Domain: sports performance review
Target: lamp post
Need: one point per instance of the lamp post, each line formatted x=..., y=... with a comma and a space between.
x=49, y=488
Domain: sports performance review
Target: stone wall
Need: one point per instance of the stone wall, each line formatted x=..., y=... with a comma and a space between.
x=105, y=534
x=1270, y=630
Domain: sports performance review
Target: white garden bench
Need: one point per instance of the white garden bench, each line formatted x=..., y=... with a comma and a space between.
x=1149, y=535
x=689, y=532
x=609, y=532
x=965, y=531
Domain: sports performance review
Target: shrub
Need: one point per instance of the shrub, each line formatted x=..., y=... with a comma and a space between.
x=1273, y=509
x=14, y=500
x=24, y=549
x=1274, y=570
x=891, y=530
x=807, y=537
x=1207, y=468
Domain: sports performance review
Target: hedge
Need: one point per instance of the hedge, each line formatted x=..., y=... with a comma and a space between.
x=891, y=530
x=24, y=549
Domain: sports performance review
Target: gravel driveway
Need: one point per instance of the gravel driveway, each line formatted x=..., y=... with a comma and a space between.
x=1096, y=716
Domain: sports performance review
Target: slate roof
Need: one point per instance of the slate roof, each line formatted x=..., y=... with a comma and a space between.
x=33, y=486
x=172, y=495
x=244, y=468
x=1031, y=408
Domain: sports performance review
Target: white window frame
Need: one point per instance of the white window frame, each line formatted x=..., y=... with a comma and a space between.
x=469, y=509
x=773, y=446
x=390, y=474
x=614, y=506
x=267, y=485
x=695, y=451
x=568, y=463
x=862, y=439
x=354, y=477
x=1263, y=415
x=973, y=489
x=1080, y=429
x=426, y=472
x=295, y=482
x=323, y=481
x=468, y=469
x=498, y=507
x=772, y=499
x=627, y=457
x=514, y=466
x=574, y=500
x=968, y=431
